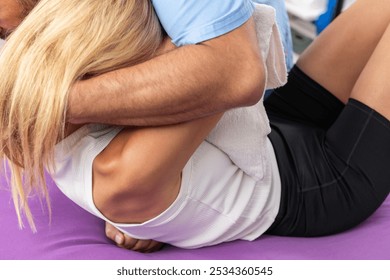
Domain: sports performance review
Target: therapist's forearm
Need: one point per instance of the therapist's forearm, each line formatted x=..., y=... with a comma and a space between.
x=184, y=84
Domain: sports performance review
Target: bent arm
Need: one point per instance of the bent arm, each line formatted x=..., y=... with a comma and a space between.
x=137, y=176
x=184, y=84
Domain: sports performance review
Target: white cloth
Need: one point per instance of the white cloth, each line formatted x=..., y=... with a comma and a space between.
x=271, y=46
x=240, y=133
x=217, y=201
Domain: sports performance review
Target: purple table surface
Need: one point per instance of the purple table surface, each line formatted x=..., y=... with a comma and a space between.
x=74, y=234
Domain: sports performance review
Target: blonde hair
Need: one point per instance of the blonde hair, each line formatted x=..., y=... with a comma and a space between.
x=59, y=43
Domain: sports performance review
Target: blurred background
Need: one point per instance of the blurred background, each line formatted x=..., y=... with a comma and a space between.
x=308, y=18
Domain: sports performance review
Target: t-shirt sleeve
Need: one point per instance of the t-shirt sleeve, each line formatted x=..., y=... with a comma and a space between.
x=195, y=21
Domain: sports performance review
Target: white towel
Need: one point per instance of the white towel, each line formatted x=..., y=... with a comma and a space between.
x=242, y=132
x=271, y=46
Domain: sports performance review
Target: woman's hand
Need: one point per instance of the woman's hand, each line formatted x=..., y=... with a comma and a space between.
x=124, y=241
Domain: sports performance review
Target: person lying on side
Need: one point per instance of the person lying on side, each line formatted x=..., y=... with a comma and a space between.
x=195, y=24
x=323, y=167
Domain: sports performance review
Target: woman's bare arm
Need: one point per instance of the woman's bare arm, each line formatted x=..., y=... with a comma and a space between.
x=138, y=174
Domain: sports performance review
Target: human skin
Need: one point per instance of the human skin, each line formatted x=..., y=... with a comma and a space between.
x=11, y=14
x=360, y=72
x=183, y=84
x=336, y=59
x=203, y=79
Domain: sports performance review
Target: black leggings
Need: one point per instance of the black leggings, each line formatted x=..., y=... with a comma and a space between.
x=334, y=159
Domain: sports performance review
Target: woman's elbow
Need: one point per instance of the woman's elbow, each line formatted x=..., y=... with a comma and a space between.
x=119, y=198
x=112, y=186
x=128, y=193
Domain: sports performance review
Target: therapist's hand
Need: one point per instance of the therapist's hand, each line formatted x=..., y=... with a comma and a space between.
x=127, y=242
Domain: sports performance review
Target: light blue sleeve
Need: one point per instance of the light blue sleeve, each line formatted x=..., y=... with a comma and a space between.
x=194, y=21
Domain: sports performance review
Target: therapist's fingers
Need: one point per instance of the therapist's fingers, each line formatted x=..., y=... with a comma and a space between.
x=127, y=242
x=139, y=245
x=130, y=243
x=114, y=234
x=154, y=247
x=147, y=246
x=121, y=239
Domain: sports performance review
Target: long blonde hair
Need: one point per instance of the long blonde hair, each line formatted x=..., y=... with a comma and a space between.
x=58, y=43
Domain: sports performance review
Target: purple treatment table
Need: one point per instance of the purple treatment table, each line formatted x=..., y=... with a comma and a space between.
x=74, y=234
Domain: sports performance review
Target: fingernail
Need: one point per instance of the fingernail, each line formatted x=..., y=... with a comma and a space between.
x=118, y=239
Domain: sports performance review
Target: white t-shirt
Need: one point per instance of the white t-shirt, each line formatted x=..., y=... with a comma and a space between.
x=217, y=201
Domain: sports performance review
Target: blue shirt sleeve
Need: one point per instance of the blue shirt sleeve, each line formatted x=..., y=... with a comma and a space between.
x=194, y=21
